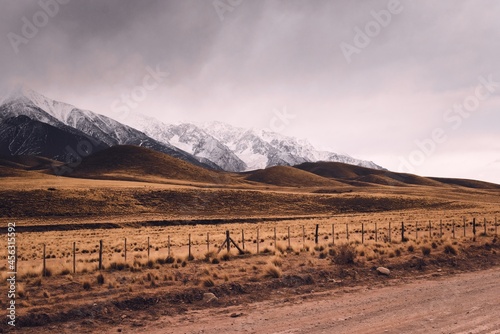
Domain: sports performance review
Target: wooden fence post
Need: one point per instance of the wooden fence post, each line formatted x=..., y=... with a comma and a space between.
x=440, y=228
x=243, y=238
x=44, y=271
x=100, y=254
x=402, y=232
x=316, y=234
x=333, y=234
x=389, y=236
x=416, y=230
x=347, y=231
x=289, y=241
x=125, y=249
x=208, y=242
x=485, y=222
x=258, y=240
x=74, y=257
x=362, y=233
x=496, y=226
x=275, y=239
x=464, y=227
x=190, y=257
x=474, y=228
x=430, y=229
x=376, y=233
x=453, y=228
x=303, y=237
x=149, y=248
x=168, y=245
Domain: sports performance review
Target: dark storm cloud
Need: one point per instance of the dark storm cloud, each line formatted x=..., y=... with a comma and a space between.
x=271, y=54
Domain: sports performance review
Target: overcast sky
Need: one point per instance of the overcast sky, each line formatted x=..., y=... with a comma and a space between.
x=367, y=78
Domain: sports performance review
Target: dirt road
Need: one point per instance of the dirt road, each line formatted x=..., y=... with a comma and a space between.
x=465, y=303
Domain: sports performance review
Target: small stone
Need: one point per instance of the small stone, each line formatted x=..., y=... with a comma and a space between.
x=384, y=271
x=236, y=315
x=209, y=297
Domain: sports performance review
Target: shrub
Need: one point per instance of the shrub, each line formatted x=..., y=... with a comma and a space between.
x=277, y=262
x=272, y=271
x=449, y=249
x=346, y=254
x=411, y=249
x=208, y=282
x=100, y=279
x=86, y=285
x=426, y=250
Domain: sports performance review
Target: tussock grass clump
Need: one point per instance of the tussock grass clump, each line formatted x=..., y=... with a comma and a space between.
x=277, y=262
x=272, y=271
x=100, y=279
x=449, y=249
x=208, y=282
x=426, y=251
x=411, y=248
x=345, y=254
x=118, y=266
x=226, y=256
x=86, y=285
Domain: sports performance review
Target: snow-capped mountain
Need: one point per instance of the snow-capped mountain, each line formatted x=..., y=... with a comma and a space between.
x=215, y=145
x=23, y=101
x=191, y=139
x=261, y=149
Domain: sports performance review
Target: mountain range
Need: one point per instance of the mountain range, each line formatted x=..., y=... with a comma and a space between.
x=32, y=124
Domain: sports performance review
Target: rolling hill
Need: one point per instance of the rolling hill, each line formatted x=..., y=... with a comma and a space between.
x=290, y=177
x=136, y=163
